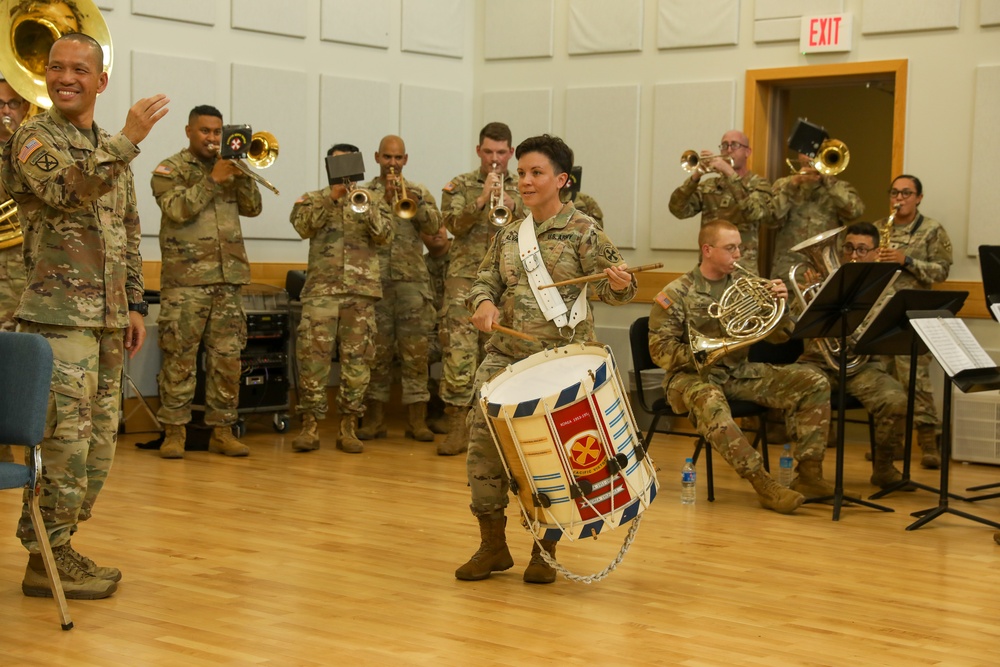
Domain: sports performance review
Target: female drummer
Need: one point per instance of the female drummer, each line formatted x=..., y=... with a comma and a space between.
x=566, y=244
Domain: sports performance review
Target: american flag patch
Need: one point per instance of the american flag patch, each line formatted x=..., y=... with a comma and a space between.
x=32, y=145
x=663, y=300
x=163, y=170
x=449, y=186
x=300, y=199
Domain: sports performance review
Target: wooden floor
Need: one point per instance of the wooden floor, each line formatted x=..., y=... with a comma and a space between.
x=327, y=558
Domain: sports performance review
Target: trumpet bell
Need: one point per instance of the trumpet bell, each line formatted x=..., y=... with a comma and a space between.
x=34, y=27
x=263, y=150
x=832, y=157
x=360, y=200
x=690, y=160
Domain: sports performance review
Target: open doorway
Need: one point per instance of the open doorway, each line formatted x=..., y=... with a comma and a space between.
x=861, y=104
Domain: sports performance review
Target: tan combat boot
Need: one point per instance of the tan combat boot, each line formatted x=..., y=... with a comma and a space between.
x=418, y=430
x=308, y=438
x=374, y=421
x=174, y=437
x=77, y=584
x=224, y=442
x=493, y=554
x=930, y=447
x=538, y=571
x=773, y=496
x=884, y=473
x=348, y=440
x=810, y=482
x=92, y=568
x=458, y=431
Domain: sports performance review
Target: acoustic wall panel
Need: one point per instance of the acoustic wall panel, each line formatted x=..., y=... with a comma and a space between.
x=362, y=22
x=782, y=9
x=906, y=15
x=518, y=29
x=434, y=125
x=777, y=30
x=602, y=128
x=682, y=24
x=597, y=26
x=108, y=5
x=354, y=111
x=261, y=16
x=188, y=82
x=527, y=112
x=984, y=196
x=274, y=100
x=989, y=13
x=188, y=11
x=435, y=27
x=686, y=116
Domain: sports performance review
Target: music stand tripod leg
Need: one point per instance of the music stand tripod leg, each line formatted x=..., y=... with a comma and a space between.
x=142, y=401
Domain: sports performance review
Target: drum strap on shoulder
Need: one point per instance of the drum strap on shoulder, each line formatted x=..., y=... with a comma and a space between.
x=553, y=307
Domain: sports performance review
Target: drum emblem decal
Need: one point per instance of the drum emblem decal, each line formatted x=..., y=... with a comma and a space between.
x=586, y=454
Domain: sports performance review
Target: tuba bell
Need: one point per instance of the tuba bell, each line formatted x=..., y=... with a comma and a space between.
x=747, y=312
x=821, y=251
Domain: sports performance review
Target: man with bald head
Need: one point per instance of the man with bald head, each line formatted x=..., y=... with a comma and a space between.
x=735, y=194
x=405, y=315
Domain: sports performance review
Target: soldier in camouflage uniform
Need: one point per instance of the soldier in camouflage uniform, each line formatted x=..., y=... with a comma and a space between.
x=76, y=199
x=437, y=259
x=205, y=263
x=921, y=246
x=806, y=204
x=801, y=390
x=735, y=194
x=12, y=111
x=569, y=245
x=405, y=315
x=338, y=303
x=465, y=205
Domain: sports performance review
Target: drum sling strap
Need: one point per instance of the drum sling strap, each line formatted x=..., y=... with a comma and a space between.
x=549, y=301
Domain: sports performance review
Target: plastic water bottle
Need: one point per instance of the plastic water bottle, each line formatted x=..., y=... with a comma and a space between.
x=786, y=464
x=689, y=478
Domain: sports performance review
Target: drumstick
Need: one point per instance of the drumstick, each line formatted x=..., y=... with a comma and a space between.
x=598, y=276
x=512, y=332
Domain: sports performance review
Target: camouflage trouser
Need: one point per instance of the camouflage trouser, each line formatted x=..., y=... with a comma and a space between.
x=487, y=477
x=403, y=317
x=883, y=396
x=924, y=412
x=324, y=320
x=12, y=279
x=466, y=345
x=801, y=390
x=81, y=427
x=213, y=315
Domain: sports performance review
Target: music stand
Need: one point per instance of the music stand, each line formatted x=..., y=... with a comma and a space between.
x=840, y=306
x=976, y=379
x=890, y=334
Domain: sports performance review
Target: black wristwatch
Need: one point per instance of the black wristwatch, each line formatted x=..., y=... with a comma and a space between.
x=141, y=307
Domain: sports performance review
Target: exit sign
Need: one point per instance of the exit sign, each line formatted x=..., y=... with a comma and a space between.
x=825, y=33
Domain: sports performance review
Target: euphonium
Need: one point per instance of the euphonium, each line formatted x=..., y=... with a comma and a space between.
x=10, y=229
x=821, y=250
x=499, y=214
x=747, y=312
x=404, y=207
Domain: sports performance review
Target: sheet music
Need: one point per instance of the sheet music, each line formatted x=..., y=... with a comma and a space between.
x=952, y=344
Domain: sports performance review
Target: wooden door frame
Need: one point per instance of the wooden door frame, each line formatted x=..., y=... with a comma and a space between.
x=759, y=101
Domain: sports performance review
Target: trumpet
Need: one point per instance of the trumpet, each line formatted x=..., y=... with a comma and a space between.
x=499, y=214
x=404, y=207
x=359, y=198
x=692, y=162
x=262, y=152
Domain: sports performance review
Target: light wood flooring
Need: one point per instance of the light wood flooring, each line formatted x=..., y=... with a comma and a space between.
x=333, y=559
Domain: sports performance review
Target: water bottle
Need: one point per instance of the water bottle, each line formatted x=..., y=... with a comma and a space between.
x=688, y=479
x=786, y=463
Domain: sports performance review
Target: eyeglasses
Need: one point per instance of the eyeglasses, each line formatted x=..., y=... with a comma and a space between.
x=731, y=146
x=905, y=194
x=731, y=248
x=13, y=105
x=860, y=251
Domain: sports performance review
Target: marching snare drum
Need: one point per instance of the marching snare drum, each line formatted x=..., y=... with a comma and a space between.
x=564, y=427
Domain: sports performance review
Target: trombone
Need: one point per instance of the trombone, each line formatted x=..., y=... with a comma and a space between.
x=404, y=207
x=831, y=159
x=499, y=214
x=262, y=152
x=692, y=162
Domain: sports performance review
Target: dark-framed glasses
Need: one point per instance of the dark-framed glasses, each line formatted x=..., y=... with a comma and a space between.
x=13, y=105
x=731, y=146
x=905, y=194
x=859, y=250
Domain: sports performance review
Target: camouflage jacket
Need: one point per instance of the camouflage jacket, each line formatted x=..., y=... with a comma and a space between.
x=571, y=245
x=201, y=241
x=81, y=225
x=684, y=303
x=587, y=205
x=927, y=243
x=745, y=202
x=806, y=210
x=470, y=226
x=437, y=267
x=342, y=245
x=402, y=260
